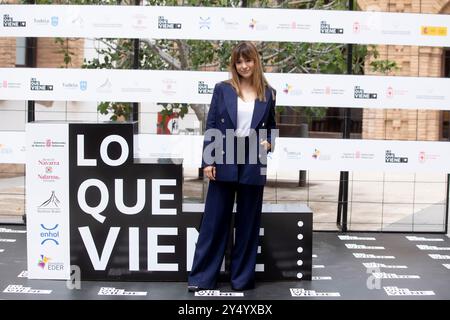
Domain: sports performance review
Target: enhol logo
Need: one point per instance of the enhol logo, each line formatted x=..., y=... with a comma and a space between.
x=49, y=234
x=205, y=23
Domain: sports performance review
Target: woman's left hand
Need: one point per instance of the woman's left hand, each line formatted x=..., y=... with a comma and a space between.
x=266, y=145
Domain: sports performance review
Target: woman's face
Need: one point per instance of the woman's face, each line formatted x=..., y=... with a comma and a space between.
x=245, y=67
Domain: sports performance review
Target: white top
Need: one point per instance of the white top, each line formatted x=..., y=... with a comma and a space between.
x=244, y=117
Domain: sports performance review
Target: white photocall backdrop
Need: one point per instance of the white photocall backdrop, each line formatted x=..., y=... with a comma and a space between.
x=291, y=153
x=47, y=206
x=213, y=23
x=317, y=90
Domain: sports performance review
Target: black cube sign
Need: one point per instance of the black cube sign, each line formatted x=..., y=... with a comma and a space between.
x=126, y=219
x=122, y=214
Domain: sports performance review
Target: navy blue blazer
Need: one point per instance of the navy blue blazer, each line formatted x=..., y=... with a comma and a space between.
x=222, y=115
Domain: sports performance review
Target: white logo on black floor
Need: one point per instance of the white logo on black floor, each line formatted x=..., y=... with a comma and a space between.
x=363, y=247
x=2, y=250
x=439, y=256
x=300, y=292
x=110, y=291
x=446, y=265
x=23, y=274
x=395, y=291
x=356, y=238
x=6, y=230
x=7, y=240
x=18, y=288
x=414, y=238
x=217, y=293
x=384, y=275
x=321, y=278
x=318, y=266
x=382, y=265
x=370, y=256
x=51, y=205
x=425, y=247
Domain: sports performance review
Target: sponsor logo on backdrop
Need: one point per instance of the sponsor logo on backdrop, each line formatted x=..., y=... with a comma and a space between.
x=289, y=89
x=217, y=293
x=49, y=166
x=164, y=23
x=49, y=234
x=318, y=155
x=5, y=84
x=140, y=22
x=45, y=263
x=391, y=92
x=293, y=26
x=359, y=93
x=82, y=85
x=169, y=87
x=229, y=25
x=257, y=25
x=396, y=291
x=48, y=143
x=326, y=28
x=424, y=157
x=396, y=30
x=111, y=291
x=18, y=288
x=292, y=155
x=5, y=150
x=105, y=87
x=204, y=23
x=136, y=88
x=328, y=91
x=51, y=205
x=203, y=88
x=357, y=155
x=9, y=22
x=35, y=85
x=433, y=31
x=300, y=292
x=390, y=157
x=77, y=21
x=45, y=21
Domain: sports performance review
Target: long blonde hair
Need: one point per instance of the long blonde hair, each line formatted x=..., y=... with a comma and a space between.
x=247, y=50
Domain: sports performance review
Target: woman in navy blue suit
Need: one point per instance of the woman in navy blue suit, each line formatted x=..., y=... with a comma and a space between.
x=237, y=137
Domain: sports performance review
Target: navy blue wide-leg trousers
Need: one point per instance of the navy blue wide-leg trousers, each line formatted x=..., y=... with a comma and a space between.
x=214, y=233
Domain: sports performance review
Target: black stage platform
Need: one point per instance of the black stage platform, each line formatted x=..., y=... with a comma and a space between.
x=361, y=266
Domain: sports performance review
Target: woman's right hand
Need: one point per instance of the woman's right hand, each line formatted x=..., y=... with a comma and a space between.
x=210, y=172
